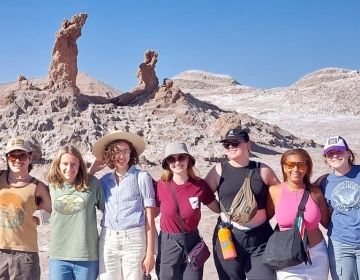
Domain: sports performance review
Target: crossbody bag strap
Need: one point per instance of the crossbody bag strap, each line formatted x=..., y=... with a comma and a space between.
x=300, y=223
x=246, y=184
x=181, y=223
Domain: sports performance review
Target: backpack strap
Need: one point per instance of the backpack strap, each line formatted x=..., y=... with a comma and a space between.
x=246, y=183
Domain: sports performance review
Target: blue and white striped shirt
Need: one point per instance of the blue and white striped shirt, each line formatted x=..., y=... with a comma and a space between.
x=125, y=202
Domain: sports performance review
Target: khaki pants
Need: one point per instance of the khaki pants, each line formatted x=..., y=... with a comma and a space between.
x=18, y=265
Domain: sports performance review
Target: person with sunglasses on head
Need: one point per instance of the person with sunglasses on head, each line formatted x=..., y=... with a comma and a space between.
x=75, y=197
x=20, y=196
x=284, y=200
x=250, y=238
x=179, y=194
x=127, y=238
x=342, y=192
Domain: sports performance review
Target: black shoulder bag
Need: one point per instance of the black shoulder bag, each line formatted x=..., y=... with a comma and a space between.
x=200, y=253
x=290, y=247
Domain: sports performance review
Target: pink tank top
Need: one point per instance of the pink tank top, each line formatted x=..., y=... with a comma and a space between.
x=287, y=207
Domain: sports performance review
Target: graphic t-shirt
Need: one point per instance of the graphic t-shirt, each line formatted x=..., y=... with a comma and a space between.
x=17, y=226
x=73, y=224
x=343, y=196
x=190, y=196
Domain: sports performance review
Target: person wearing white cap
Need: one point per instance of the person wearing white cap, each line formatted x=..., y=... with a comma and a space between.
x=20, y=196
x=127, y=238
x=342, y=191
x=179, y=195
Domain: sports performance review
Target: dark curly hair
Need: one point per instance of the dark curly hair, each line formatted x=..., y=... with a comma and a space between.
x=110, y=153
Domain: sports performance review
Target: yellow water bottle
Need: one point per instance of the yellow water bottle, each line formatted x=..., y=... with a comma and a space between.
x=226, y=243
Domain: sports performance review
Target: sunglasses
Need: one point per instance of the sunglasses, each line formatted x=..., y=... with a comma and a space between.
x=233, y=144
x=173, y=159
x=291, y=165
x=20, y=157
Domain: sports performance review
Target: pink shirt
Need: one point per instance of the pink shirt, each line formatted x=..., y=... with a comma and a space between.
x=286, y=209
x=190, y=196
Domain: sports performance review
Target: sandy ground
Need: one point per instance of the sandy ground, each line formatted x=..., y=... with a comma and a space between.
x=207, y=223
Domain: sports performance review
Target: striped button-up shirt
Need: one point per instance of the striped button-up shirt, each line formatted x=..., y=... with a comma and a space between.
x=125, y=202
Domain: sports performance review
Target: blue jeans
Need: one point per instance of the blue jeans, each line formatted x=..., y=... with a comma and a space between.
x=344, y=260
x=68, y=270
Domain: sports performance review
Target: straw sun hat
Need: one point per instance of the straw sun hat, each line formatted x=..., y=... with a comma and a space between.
x=135, y=140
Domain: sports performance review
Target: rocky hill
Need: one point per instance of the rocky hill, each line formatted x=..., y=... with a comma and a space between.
x=51, y=119
x=320, y=104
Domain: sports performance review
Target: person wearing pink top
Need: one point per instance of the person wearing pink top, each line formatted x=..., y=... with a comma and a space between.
x=284, y=199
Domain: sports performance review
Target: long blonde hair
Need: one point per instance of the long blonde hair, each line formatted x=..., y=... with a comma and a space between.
x=55, y=177
x=167, y=174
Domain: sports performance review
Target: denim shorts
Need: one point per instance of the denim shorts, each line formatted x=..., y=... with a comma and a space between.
x=80, y=270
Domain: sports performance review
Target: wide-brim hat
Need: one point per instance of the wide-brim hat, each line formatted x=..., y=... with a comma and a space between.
x=101, y=143
x=18, y=144
x=176, y=148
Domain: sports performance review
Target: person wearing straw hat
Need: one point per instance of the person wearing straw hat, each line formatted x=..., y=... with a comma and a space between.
x=127, y=238
x=20, y=196
x=176, y=237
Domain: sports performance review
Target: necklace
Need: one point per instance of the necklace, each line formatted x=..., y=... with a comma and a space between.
x=18, y=180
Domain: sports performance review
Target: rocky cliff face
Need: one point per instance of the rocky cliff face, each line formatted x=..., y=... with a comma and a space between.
x=52, y=120
x=320, y=104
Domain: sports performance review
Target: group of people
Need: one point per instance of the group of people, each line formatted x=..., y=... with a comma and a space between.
x=130, y=200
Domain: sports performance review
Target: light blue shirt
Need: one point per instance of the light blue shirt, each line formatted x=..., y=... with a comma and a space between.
x=125, y=202
x=343, y=196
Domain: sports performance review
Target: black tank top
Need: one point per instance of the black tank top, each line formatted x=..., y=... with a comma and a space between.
x=231, y=180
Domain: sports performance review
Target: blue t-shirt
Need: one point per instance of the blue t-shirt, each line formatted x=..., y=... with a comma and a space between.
x=343, y=196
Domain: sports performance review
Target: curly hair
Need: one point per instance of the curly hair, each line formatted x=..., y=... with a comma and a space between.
x=56, y=178
x=111, y=153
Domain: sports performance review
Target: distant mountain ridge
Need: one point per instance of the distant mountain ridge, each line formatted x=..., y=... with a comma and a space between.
x=320, y=104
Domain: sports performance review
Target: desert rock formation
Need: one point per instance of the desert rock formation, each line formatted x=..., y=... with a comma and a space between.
x=63, y=68
x=148, y=81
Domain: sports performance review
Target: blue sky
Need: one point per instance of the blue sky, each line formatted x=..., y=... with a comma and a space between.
x=259, y=43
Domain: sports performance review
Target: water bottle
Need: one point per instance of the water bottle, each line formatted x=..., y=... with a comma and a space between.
x=226, y=243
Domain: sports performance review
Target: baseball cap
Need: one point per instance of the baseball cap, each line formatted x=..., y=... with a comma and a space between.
x=236, y=134
x=18, y=144
x=335, y=143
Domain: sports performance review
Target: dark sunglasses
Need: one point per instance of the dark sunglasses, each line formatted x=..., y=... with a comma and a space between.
x=20, y=157
x=233, y=144
x=291, y=165
x=173, y=159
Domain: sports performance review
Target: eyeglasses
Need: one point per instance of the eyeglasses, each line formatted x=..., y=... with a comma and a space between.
x=333, y=153
x=20, y=157
x=173, y=159
x=233, y=144
x=122, y=152
x=291, y=165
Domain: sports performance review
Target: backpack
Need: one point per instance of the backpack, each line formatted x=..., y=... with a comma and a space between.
x=244, y=206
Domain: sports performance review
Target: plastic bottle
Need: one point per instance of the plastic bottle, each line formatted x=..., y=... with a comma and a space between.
x=226, y=243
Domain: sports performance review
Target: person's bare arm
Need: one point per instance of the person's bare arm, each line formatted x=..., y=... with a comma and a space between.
x=319, y=198
x=268, y=175
x=43, y=197
x=214, y=206
x=213, y=177
x=96, y=166
x=149, y=260
x=272, y=200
